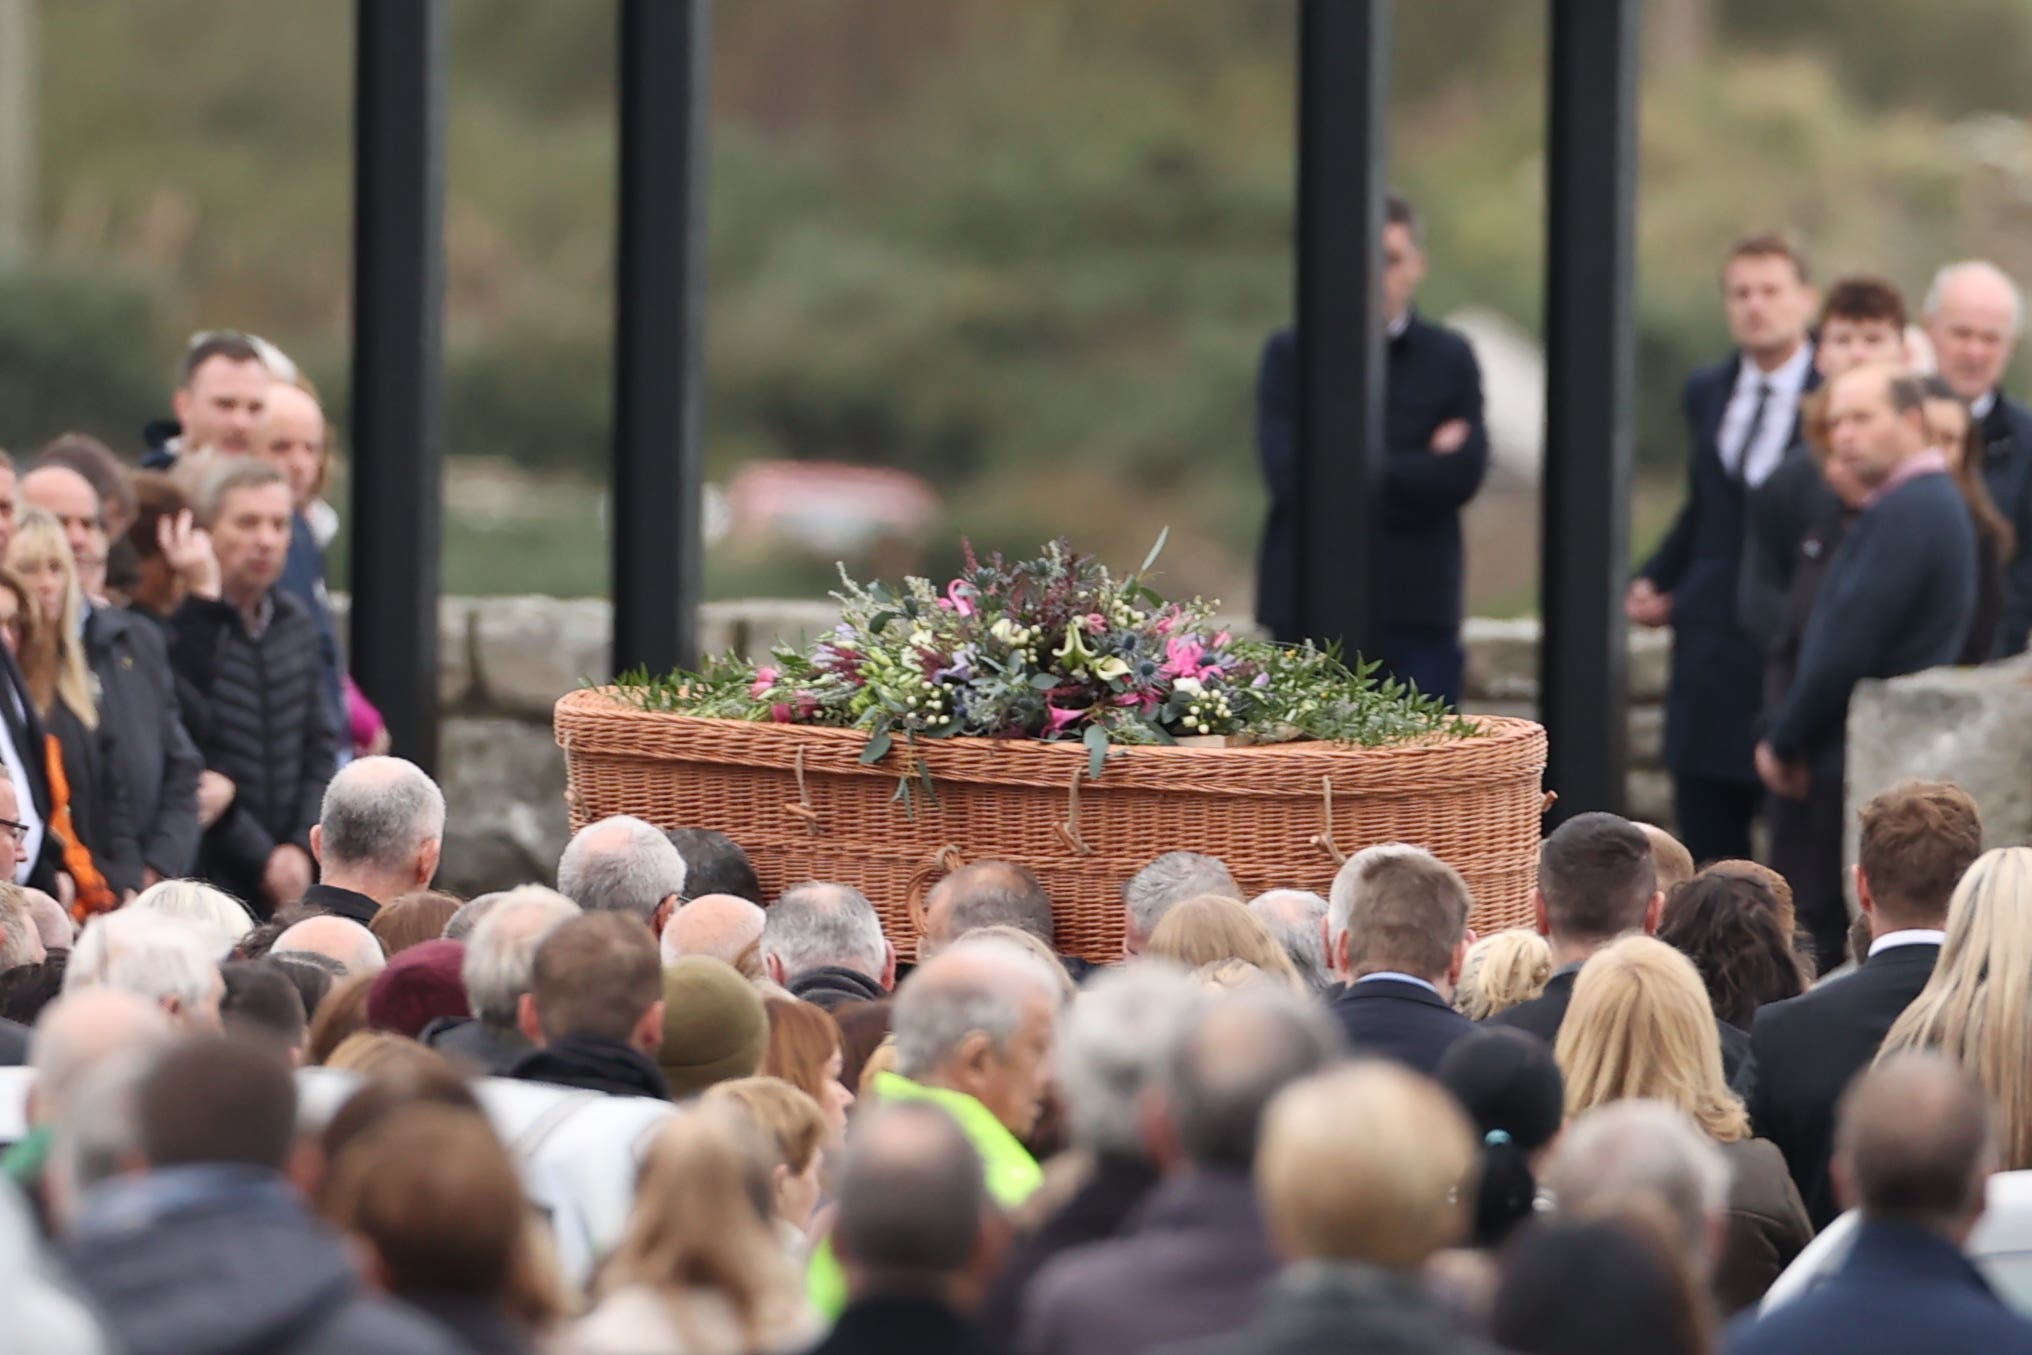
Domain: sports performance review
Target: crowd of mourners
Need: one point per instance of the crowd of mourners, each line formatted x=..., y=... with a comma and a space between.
x=262, y=1089
x=654, y=1111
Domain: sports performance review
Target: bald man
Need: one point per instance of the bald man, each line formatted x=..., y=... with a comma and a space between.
x=156, y=763
x=337, y=938
x=1897, y=598
x=1974, y=313
x=716, y=925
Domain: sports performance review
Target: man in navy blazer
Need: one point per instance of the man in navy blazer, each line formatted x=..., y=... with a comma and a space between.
x=1974, y=313
x=1436, y=453
x=1914, y=1153
x=1741, y=415
x=1396, y=933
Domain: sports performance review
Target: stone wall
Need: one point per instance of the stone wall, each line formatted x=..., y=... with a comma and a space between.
x=504, y=661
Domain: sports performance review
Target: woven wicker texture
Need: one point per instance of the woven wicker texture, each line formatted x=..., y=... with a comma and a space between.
x=804, y=807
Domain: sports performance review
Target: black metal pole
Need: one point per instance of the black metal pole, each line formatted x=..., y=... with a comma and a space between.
x=1343, y=117
x=666, y=54
x=398, y=343
x=1590, y=363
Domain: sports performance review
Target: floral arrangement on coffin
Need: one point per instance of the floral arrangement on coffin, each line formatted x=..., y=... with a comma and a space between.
x=1049, y=648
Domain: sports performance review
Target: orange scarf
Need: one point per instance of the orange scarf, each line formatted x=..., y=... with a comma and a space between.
x=94, y=894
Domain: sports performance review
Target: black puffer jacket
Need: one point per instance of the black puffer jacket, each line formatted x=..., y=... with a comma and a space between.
x=258, y=716
x=158, y=764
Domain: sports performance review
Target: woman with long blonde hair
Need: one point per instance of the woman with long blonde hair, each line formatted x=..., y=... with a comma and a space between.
x=90, y=811
x=700, y=1270
x=1977, y=1007
x=1641, y=1028
x=1211, y=929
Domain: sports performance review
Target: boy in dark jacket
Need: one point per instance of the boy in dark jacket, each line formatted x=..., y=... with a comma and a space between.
x=252, y=661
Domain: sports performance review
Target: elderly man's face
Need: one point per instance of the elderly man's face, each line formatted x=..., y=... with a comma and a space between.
x=1014, y=1085
x=1974, y=329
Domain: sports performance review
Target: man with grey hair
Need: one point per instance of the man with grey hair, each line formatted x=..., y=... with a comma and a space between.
x=1397, y=934
x=77, y=1035
x=984, y=894
x=973, y=1033
x=1192, y=1264
x=1116, y=1040
x=1650, y=1157
x=623, y=865
x=912, y=1209
x=471, y=913
x=339, y=938
x=1974, y=314
x=824, y=943
x=154, y=957
x=1296, y=917
x=719, y=926
x=497, y=970
x=1171, y=879
x=378, y=836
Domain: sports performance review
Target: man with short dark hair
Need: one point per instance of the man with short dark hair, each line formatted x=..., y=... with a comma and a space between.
x=208, y=1248
x=261, y=1003
x=1194, y=1261
x=221, y=389
x=1741, y=414
x=911, y=1206
x=1896, y=599
x=379, y=834
x=253, y=665
x=984, y=894
x=1437, y=453
x=594, y=1008
x=1915, y=1150
x=1396, y=934
x=1596, y=882
x=715, y=864
x=1917, y=841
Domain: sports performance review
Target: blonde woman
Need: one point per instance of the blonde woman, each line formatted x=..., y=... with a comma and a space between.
x=102, y=856
x=1209, y=929
x=1977, y=1007
x=1641, y=1028
x=700, y=1270
x=1500, y=971
x=223, y=918
x=794, y=1129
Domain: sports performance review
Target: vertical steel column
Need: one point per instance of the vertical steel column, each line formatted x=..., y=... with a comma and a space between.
x=1343, y=121
x=659, y=366
x=398, y=351
x=1590, y=363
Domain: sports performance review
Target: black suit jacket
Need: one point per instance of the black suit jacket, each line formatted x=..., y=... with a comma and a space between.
x=1808, y=1050
x=2007, y=470
x=1397, y=1020
x=1430, y=378
x=1545, y=1014
x=1717, y=664
x=899, y=1325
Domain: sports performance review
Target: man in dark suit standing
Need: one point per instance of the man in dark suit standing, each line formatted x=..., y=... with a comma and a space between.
x=1596, y=882
x=1741, y=415
x=1917, y=840
x=1916, y=1149
x=1897, y=597
x=1396, y=934
x=1974, y=313
x=1436, y=456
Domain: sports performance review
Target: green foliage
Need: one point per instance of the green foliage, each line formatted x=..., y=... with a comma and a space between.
x=69, y=360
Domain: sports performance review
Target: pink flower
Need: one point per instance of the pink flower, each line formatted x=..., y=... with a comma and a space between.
x=1141, y=700
x=1183, y=656
x=1223, y=640
x=960, y=593
x=780, y=713
x=1167, y=622
x=765, y=678
x=1057, y=718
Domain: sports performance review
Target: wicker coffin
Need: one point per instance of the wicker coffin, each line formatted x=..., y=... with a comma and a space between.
x=804, y=806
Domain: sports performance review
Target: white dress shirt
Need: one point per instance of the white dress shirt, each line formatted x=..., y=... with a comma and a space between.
x=1980, y=407
x=1754, y=463
x=1915, y=936
x=17, y=772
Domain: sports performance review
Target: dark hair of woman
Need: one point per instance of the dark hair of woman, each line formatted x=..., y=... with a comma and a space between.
x=1597, y=1288
x=1510, y=1086
x=1728, y=926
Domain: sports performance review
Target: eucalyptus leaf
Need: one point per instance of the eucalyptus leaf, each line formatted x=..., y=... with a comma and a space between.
x=1096, y=740
x=1155, y=551
x=878, y=747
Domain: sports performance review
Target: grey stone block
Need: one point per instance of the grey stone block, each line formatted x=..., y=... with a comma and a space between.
x=529, y=651
x=506, y=820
